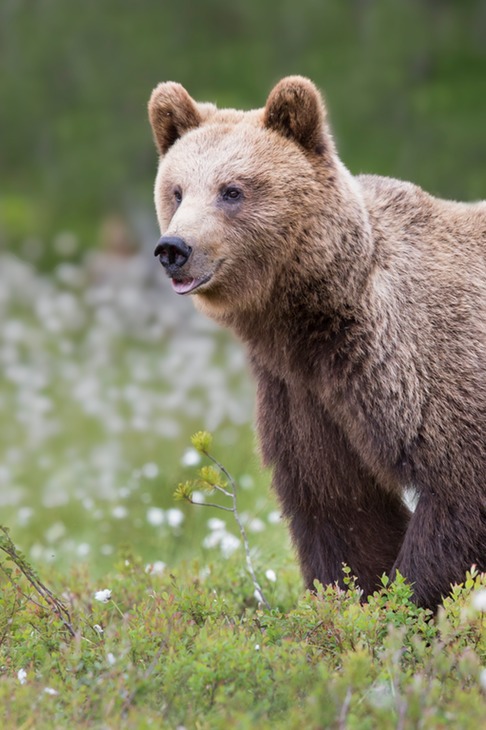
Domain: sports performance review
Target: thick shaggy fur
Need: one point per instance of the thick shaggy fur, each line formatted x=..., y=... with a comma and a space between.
x=362, y=303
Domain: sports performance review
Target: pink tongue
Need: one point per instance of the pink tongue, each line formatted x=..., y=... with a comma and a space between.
x=184, y=286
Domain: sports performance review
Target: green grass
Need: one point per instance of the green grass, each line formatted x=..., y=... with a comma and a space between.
x=101, y=387
x=189, y=648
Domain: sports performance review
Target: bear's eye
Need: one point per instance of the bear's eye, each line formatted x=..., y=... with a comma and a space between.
x=231, y=194
x=177, y=195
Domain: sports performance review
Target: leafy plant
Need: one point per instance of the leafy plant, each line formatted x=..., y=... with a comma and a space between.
x=186, y=649
x=48, y=600
x=217, y=479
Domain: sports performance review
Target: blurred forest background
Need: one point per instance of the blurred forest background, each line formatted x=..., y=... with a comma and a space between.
x=405, y=82
x=104, y=373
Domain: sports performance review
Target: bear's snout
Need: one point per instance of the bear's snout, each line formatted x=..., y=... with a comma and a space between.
x=173, y=252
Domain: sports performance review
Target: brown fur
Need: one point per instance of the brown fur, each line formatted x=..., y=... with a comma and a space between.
x=362, y=303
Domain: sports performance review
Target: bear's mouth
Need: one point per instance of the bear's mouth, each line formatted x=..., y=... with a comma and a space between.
x=188, y=285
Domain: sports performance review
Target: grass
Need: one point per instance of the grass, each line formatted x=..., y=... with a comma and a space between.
x=189, y=648
x=103, y=383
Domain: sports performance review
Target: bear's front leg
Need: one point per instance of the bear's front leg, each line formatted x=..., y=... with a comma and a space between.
x=365, y=534
x=337, y=511
x=444, y=539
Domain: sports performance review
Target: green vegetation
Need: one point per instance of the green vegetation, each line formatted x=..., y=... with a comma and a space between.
x=404, y=82
x=187, y=649
x=127, y=609
x=190, y=646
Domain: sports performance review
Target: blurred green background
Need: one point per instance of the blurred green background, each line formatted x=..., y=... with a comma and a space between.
x=405, y=82
x=104, y=373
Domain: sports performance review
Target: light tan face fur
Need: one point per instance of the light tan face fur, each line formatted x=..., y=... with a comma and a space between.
x=232, y=189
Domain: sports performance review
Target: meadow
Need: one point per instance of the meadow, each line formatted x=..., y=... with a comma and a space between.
x=104, y=378
x=123, y=608
x=120, y=607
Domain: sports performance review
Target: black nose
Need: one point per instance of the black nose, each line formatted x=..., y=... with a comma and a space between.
x=172, y=251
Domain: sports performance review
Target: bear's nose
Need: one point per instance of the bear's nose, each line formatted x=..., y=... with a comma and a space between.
x=172, y=251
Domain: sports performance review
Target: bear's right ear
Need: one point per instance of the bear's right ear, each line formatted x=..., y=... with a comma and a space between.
x=172, y=113
x=295, y=110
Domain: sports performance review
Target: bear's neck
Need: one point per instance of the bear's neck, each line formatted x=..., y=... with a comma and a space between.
x=295, y=333
x=316, y=303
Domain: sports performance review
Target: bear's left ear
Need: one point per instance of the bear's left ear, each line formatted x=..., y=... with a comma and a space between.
x=295, y=110
x=172, y=112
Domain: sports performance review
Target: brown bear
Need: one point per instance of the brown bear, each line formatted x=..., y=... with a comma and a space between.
x=362, y=304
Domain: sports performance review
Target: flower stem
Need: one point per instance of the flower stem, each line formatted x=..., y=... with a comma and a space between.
x=241, y=527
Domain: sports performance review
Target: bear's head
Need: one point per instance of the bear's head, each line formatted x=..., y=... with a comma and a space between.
x=239, y=195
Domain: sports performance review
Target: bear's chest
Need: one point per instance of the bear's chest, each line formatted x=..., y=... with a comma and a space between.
x=376, y=414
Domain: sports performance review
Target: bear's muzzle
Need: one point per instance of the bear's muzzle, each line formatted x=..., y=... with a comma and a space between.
x=173, y=253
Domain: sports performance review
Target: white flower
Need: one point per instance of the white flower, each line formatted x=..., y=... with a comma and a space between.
x=150, y=470
x=257, y=647
x=256, y=525
x=246, y=481
x=274, y=517
x=214, y=523
x=24, y=514
x=190, y=457
x=156, y=568
x=229, y=544
x=98, y=629
x=213, y=539
x=271, y=575
x=197, y=497
x=22, y=676
x=155, y=516
x=110, y=658
x=50, y=691
x=479, y=600
x=175, y=517
x=103, y=596
x=119, y=512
